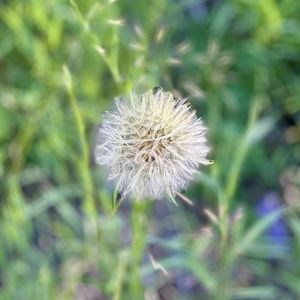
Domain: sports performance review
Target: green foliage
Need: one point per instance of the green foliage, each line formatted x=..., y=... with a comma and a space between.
x=63, y=233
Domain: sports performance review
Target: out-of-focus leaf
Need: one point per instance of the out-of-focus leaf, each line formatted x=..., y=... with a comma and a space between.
x=256, y=230
x=52, y=198
x=259, y=292
x=260, y=129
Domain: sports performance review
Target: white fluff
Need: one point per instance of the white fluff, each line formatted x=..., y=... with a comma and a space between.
x=151, y=145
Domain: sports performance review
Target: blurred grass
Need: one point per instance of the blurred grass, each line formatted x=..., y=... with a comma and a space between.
x=61, y=65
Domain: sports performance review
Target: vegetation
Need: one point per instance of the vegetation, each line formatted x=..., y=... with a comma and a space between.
x=63, y=232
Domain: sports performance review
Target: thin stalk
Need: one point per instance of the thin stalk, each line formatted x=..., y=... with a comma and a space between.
x=121, y=275
x=110, y=57
x=83, y=162
x=139, y=239
x=225, y=262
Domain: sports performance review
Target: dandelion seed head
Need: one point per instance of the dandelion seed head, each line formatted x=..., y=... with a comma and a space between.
x=151, y=144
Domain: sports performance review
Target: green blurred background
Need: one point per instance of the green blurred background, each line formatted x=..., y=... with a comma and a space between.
x=63, y=236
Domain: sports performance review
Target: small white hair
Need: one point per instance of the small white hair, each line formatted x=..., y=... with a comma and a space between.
x=151, y=145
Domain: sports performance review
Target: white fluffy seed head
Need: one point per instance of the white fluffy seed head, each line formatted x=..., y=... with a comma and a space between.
x=151, y=144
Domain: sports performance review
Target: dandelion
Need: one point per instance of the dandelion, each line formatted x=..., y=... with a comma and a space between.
x=151, y=145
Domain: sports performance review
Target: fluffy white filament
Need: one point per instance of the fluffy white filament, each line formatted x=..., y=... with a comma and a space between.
x=151, y=145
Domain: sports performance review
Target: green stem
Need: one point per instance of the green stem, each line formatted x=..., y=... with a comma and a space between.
x=225, y=262
x=121, y=275
x=83, y=162
x=139, y=239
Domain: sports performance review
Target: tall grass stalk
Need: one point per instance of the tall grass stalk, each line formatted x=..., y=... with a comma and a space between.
x=226, y=258
x=121, y=275
x=90, y=206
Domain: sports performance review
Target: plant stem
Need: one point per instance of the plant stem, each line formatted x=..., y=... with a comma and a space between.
x=225, y=262
x=83, y=162
x=139, y=239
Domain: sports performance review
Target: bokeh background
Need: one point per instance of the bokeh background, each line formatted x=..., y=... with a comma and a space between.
x=235, y=231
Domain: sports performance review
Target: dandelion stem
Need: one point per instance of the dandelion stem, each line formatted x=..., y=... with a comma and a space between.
x=139, y=238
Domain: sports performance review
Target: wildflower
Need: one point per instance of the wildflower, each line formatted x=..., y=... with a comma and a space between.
x=277, y=232
x=152, y=144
